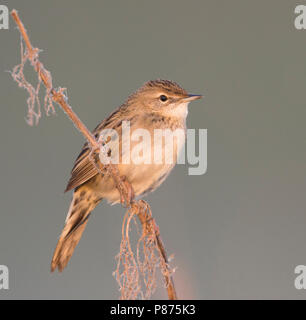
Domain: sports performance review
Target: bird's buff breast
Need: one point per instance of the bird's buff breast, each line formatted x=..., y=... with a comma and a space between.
x=144, y=176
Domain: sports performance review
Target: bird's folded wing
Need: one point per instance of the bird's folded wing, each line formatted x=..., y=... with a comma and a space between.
x=83, y=170
x=84, y=167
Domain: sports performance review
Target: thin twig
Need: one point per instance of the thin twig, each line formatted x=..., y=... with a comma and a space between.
x=138, y=207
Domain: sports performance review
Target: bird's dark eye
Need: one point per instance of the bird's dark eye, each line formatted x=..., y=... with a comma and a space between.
x=163, y=98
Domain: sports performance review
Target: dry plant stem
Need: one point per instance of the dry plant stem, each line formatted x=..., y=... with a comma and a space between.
x=124, y=188
x=149, y=224
x=57, y=96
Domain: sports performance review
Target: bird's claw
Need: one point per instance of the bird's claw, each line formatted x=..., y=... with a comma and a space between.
x=129, y=192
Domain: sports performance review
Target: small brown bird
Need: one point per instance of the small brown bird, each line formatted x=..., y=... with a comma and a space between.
x=158, y=104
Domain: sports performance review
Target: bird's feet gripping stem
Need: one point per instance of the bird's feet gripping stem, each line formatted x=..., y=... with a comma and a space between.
x=127, y=195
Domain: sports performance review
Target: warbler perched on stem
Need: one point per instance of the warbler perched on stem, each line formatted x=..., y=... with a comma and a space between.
x=158, y=104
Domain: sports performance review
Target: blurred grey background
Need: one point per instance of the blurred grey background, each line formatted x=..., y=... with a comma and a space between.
x=238, y=231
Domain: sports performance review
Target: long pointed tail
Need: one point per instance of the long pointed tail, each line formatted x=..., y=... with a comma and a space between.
x=83, y=202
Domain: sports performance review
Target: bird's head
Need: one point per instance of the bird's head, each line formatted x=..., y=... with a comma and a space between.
x=164, y=97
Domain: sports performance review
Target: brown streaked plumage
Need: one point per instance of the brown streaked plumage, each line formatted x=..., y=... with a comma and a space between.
x=158, y=104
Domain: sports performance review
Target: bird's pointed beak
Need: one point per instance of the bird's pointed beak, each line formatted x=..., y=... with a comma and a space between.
x=192, y=97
